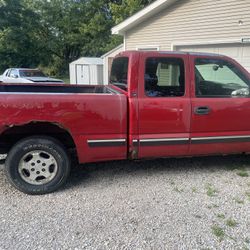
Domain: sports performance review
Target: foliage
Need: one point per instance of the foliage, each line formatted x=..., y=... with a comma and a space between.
x=218, y=232
x=52, y=33
x=123, y=9
x=231, y=223
x=18, y=41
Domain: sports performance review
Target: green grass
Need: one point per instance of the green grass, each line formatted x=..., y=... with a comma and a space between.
x=239, y=201
x=242, y=173
x=65, y=80
x=221, y=216
x=231, y=223
x=211, y=191
x=218, y=232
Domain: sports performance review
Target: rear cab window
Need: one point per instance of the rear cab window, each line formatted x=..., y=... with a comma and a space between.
x=164, y=77
x=219, y=78
x=119, y=72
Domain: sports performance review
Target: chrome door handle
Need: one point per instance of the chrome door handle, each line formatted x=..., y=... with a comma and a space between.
x=202, y=110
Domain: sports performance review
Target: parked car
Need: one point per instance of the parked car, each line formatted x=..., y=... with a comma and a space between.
x=158, y=104
x=18, y=75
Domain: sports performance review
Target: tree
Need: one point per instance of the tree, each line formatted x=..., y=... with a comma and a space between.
x=18, y=42
x=124, y=8
x=71, y=29
x=52, y=33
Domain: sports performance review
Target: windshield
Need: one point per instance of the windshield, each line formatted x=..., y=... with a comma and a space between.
x=31, y=73
x=119, y=72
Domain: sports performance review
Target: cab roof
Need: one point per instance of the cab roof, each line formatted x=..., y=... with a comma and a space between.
x=173, y=53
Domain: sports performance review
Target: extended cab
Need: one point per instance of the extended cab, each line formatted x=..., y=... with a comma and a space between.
x=158, y=104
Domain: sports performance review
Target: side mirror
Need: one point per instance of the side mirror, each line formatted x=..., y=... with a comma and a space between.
x=15, y=76
x=244, y=92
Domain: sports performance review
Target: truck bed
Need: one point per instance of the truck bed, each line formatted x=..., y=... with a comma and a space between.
x=25, y=88
x=87, y=113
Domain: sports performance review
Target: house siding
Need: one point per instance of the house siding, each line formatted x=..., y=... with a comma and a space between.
x=192, y=20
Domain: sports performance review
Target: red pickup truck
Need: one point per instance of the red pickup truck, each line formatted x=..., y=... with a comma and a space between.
x=158, y=104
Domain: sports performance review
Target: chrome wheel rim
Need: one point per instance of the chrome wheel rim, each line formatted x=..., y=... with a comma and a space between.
x=38, y=167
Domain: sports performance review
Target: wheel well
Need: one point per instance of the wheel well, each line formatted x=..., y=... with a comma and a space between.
x=13, y=134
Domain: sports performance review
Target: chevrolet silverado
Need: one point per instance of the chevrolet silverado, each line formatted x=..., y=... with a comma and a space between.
x=158, y=104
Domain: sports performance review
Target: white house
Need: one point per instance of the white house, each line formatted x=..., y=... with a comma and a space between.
x=217, y=26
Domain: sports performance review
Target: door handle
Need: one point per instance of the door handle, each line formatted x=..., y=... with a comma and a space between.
x=202, y=110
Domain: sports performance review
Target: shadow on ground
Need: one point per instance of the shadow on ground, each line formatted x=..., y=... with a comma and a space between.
x=91, y=172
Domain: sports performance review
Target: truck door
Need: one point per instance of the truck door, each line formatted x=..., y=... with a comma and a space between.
x=164, y=105
x=220, y=106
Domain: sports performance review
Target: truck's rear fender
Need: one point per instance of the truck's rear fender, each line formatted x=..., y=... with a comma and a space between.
x=14, y=133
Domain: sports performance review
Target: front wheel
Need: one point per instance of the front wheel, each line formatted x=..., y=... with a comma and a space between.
x=37, y=165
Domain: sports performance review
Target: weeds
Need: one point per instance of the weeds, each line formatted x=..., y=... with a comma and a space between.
x=239, y=201
x=242, y=173
x=218, y=232
x=211, y=191
x=221, y=216
x=231, y=223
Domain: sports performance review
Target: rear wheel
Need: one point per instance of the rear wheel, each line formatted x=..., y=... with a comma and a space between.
x=37, y=165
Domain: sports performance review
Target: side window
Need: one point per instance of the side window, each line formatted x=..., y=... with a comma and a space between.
x=164, y=77
x=13, y=73
x=219, y=78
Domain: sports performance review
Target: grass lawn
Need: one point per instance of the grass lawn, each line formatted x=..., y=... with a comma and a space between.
x=65, y=79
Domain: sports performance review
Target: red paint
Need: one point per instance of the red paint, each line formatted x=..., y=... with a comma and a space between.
x=131, y=115
x=228, y=117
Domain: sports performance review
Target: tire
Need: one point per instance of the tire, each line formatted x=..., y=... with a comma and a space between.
x=37, y=165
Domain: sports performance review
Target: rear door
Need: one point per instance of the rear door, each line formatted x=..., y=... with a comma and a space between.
x=164, y=105
x=220, y=107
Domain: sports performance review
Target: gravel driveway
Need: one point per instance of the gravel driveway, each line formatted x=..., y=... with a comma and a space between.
x=199, y=203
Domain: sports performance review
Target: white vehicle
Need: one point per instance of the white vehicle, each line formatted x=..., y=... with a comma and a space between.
x=18, y=75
